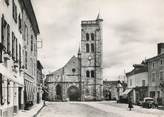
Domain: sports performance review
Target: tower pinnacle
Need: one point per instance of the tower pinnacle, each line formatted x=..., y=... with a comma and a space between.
x=99, y=17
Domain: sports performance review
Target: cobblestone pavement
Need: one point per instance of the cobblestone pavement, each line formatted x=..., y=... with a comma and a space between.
x=72, y=109
x=95, y=109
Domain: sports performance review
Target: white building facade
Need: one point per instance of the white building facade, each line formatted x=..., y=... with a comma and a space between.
x=15, y=40
x=11, y=75
x=137, y=86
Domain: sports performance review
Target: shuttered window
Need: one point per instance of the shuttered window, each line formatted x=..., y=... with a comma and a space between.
x=14, y=8
x=1, y=88
x=8, y=39
x=20, y=54
x=13, y=38
x=4, y=32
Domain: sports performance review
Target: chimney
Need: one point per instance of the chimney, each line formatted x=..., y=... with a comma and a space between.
x=160, y=48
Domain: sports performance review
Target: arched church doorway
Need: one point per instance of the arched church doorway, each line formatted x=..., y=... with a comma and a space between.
x=73, y=93
x=58, y=92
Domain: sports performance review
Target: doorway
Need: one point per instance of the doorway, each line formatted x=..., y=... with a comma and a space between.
x=58, y=92
x=73, y=93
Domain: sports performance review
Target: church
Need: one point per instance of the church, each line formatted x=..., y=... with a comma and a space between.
x=81, y=78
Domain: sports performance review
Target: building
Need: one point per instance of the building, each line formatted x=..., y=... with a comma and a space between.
x=30, y=32
x=11, y=75
x=81, y=77
x=91, y=57
x=18, y=37
x=137, y=87
x=156, y=75
x=61, y=82
x=112, y=90
x=39, y=81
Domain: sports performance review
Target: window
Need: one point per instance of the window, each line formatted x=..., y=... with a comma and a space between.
x=26, y=59
x=4, y=32
x=87, y=74
x=152, y=94
x=87, y=37
x=7, y=2
x=92, y=37
x=8, y=92
x=14, y=12
x=8, y=39
x=153, y=65
x=92, y=73
x=143, y=82
x=26, y=33
x=3, y=91
x=92, y=47
x=19, y=23
x=87, y=47
x=16, y=49
x=20, y=54
x=130, y=82
x=1, y=88
x=161, y=75
x=161, y=61
x=73, y=70
x=153, y=77
x=13, y=43
x=31, y=42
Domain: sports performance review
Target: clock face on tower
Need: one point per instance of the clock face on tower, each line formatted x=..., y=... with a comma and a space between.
x=89, y=58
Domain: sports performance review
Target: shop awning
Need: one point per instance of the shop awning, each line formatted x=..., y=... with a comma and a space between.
x=127, y=91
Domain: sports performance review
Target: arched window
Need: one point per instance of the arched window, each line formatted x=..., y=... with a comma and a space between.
x=87, y=74
x=87, y=36
x=92, y=37
x=87, y=47
x=92, y=47
x=92, y=73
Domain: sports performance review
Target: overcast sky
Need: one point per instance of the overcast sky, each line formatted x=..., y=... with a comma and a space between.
x=131, y=31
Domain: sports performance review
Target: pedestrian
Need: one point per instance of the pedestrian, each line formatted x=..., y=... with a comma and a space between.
x=130, y=105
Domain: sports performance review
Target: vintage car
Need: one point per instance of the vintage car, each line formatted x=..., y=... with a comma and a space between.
x=149, y=102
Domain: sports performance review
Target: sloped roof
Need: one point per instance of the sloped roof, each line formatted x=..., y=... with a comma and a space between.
x=31, y=14
x=138, y=68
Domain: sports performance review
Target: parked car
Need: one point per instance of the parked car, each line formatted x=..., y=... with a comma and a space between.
x=149, y=102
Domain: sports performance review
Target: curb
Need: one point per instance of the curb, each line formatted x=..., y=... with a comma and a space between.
x=35, y=115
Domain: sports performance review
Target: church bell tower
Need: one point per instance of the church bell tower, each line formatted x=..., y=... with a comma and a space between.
x=91, y=58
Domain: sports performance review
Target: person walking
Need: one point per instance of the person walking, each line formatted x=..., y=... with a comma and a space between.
x=130, y=105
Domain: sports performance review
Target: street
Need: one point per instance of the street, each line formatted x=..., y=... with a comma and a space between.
x=95, y=109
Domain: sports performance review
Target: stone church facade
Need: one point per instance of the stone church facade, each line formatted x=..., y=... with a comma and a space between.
x=81, y=78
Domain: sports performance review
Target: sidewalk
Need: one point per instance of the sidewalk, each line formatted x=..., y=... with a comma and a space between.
x=30, y=113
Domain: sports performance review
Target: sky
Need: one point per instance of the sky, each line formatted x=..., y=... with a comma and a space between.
x=131, y=31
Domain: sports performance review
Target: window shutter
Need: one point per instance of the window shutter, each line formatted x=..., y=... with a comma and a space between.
x=1, y=88
x=8, y=39
x=13, y=45
x=16, y=48
x=2, y=22
x=20, y=55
